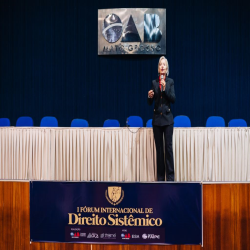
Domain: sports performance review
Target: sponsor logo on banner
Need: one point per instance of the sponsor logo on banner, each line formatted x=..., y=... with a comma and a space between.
x=108, y=236
x=92, y=236
x=135, y=236
x=151, y=236
x=126, y=236
x=75, y=235
x=83, y=235
x=114, y=195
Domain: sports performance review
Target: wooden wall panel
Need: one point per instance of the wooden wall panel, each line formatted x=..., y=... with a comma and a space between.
x=59, y=246
x=217, y=224
x=14, y=215
x=226, y=217
x=241, y=215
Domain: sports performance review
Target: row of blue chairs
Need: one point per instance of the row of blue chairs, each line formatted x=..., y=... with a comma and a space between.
x=212, y=121
x=51, y=121
x=132, y=121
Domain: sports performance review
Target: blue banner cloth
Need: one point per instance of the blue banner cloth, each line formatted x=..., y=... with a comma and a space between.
x=116, y=212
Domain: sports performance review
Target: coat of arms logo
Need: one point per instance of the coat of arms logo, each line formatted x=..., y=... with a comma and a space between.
x=114, y=195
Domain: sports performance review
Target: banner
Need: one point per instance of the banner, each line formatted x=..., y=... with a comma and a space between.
x=132, y=31
x=116, y=213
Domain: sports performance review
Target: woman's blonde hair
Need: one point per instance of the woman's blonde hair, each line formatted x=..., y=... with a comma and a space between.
x=163, y=57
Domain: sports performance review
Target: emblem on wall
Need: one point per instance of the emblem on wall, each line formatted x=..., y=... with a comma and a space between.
x=131, y=31
x=112, y=28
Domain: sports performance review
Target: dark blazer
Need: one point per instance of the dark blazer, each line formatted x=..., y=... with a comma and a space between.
x=162, y=112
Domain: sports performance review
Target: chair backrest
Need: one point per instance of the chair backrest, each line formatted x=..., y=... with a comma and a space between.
x=149, y=123
x=215, y=121
x=111, y=123
x=49, y=121
x=237, y=123
x=4, y=122
x=24, y=121
x=182, y=121
x=79, y=123
x=135, y=121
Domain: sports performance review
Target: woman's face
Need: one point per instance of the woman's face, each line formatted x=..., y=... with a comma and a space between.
x=163, y=67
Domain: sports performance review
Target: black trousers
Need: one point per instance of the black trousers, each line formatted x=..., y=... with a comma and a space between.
x=164, y=165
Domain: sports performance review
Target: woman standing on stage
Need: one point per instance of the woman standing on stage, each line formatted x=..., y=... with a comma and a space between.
x=163, y=94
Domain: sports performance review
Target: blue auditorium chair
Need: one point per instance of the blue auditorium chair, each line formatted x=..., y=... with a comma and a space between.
x=4, y=122
x=215, y=121
x=149, y=123
x=79, y=123
x=182, y=121
x=49, y=121
x=134, y=121
x=24, y=121
x=111, y=123
x=237, y=123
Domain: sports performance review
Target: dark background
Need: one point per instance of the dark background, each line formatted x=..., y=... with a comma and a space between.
x=49, y=64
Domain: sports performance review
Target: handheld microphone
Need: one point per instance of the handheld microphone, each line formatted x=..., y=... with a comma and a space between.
x=161, y=85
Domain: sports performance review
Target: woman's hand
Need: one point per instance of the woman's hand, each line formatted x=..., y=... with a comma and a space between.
x=150, y=93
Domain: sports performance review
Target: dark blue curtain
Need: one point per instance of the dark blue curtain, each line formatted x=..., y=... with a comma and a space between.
x=49, y=63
